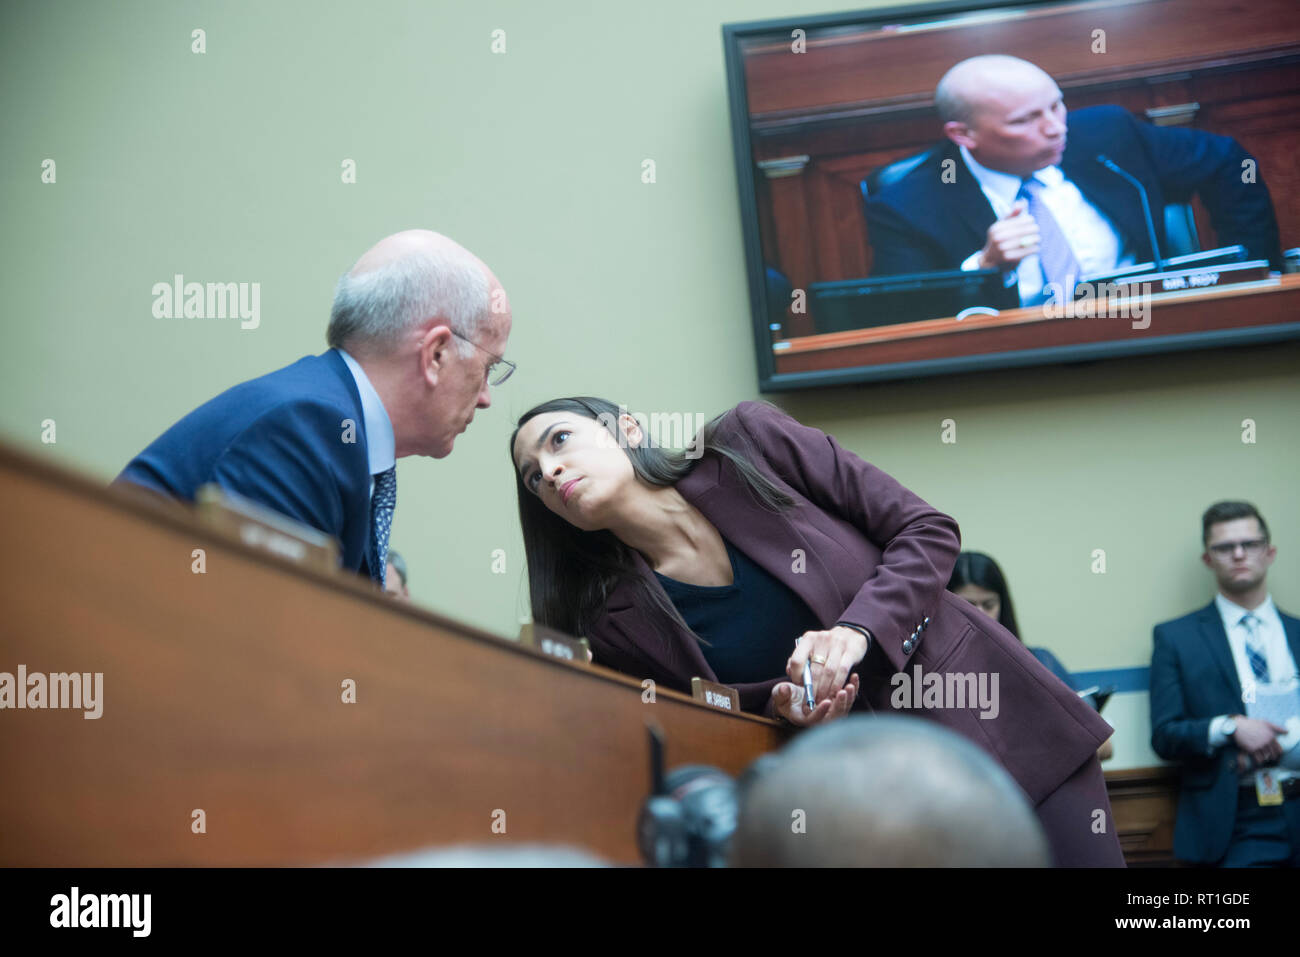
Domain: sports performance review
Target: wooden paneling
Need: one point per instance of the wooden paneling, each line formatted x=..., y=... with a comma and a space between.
x=1144, y=805
x=222, y=692
x=1273, y=302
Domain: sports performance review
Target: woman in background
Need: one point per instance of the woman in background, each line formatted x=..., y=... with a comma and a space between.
x=977, y=578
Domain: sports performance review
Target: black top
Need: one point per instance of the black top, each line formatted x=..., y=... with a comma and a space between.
x=749, y=626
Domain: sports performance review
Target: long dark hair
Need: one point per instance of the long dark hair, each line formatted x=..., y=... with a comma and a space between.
x=571, y=573
x=976, y=568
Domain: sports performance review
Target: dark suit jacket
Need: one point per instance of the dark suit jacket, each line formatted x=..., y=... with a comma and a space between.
x=922, y=224
x=278, y=440
x=875, y=555
x=1194, y=679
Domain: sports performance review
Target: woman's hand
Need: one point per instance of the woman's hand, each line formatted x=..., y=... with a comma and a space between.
x=832, y=653
x=788, y=702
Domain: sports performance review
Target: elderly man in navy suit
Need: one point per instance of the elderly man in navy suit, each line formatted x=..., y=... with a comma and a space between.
x=1237, y=807
x=1010, y=191
x=417, y=332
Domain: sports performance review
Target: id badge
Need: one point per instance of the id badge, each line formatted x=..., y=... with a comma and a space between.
x=1268, y=790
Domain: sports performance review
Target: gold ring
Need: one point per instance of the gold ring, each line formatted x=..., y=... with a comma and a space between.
x=818, y=660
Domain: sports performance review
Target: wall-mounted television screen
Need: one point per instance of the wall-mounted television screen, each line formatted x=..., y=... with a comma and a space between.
x=965, y=186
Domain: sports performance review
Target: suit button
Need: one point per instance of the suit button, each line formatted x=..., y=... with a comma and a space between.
x=924, y=623
x=908, y=645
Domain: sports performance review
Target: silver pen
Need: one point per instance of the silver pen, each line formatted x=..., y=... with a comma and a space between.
x=808, y=686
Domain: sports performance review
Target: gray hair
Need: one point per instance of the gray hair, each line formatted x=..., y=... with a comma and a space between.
x=379, y=305
x=885, y=791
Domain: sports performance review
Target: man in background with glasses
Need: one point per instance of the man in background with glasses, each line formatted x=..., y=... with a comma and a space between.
x=417, y=335
x=1224, y=702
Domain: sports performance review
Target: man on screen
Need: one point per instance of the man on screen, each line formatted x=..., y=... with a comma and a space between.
x=1011, y=191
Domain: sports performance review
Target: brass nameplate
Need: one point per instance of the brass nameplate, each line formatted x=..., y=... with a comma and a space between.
x=715, y=695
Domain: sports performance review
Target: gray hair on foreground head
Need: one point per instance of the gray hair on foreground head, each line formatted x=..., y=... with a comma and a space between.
x=376, y=307
x=884, y=791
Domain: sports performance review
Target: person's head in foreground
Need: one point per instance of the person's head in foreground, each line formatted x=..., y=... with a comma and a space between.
x=884, y=791
x=1006, y=111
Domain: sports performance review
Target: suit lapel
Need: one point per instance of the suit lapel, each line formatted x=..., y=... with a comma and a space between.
x=972, y=207
x=1292, y=628
x=771, y=539
x=1216, y=641
x=1114, y=197
x=668, y=646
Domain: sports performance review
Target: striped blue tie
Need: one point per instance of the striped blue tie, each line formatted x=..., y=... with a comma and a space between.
x=1054, y=252
x=1255, y=648
x=382, y=503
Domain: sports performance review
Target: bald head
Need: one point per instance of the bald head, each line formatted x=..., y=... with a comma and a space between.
x=982, y=81
x=402, y=283
x=885, y=791
x=1006, y=112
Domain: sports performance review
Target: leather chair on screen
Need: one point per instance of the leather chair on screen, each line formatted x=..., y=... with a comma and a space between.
x=1180, y=222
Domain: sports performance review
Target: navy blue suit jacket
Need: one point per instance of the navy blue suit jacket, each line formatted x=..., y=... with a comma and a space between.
x=281, y=440
x=1194, y=679
x=922, y=224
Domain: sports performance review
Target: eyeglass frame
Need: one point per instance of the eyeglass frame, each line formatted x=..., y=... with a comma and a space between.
x=496, y=361
x=1251, y=547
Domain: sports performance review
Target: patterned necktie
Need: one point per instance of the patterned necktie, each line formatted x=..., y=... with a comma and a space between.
x=1054, y=253
x=1255, y=648
x=382, y=503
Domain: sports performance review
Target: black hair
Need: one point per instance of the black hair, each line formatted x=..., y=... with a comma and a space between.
x=1228, y=512
x=976, y=568
x=572, y=572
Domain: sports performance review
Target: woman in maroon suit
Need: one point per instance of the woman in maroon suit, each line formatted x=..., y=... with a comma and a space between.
x=766, y=548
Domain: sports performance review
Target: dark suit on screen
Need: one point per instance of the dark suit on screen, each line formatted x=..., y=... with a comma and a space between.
x=923, y=224
x=282, y=441
x=877, y=556
x=1193, y=681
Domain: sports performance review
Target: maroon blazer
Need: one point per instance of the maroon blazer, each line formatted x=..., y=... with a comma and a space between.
x=858, y=547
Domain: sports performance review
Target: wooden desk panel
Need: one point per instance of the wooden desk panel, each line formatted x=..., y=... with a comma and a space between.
x=222, y=692
x=1144, y=805
x=1268, y=303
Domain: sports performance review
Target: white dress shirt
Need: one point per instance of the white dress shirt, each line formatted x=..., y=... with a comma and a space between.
x=380, y=444
x=1271, y=636
x=1091, y=235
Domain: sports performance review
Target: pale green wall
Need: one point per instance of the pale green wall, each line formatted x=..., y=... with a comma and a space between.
x=226, y=167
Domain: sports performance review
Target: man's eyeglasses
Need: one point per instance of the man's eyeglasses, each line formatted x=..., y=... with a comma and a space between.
x=498, y=370
x=1252, y=547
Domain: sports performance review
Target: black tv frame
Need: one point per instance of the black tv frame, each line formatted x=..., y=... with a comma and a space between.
x=768, y=378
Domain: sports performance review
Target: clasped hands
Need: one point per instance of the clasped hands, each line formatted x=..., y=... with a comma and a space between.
x=831, y=655
x=1257, y=744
